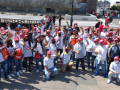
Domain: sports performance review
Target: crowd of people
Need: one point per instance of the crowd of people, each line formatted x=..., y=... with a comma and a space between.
x=46, y=44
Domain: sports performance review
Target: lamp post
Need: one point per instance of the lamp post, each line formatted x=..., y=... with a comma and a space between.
x=71, y=21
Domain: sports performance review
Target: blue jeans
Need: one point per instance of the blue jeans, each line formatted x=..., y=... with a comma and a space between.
x=37, y=62
x=103, y=67
x=55, y=59
x=4, y=64
x=93, y=59
x=53, y=71
x=73, y=55
x=82, y=63
x=10, y=64
x=18, y=64
x=88, y=55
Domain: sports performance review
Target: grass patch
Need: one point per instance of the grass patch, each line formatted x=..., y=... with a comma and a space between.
x=35, y=14
x=2, y=13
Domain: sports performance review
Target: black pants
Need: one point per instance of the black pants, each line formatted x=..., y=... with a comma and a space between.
x=61, y=50
x=54, y=22
x=25, y=62
x=82, y=63
x=59, y=22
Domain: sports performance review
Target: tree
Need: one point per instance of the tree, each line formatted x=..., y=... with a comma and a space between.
x=113, y=8
x=118, y=8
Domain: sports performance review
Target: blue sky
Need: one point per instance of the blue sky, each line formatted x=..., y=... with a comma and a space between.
x=112, y=1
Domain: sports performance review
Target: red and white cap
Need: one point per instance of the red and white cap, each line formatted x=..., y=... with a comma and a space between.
x=96, y=40
x=26, y=30
x=111, y=32
x=59, y=32
x=49, y=52
x=21, y=34
x=52, y=39
x=39, y=31
x=75, y=23
x=48, y=31
x=58, y=27
x=26, y=36
x=90, y=34
x=104, y=27
x=2, y=28
x=116, y=58
x=3, y=32
x=73, y=27
x=118, y=37
x=115, y=39
x=101, y=41
x=97, y=29
x=79, y=39
x=16, y=38
x=86, y=28
x=66, y=48
x=107, y=34
x=34, y=28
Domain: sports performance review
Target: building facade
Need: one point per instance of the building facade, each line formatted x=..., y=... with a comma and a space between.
x=56, y=6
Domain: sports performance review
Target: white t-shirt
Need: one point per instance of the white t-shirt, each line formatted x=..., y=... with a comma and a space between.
x=17, y=46
x=48, y=40
x=52, y=48
x=27, y=53
x=94, y=47
x=39, y=48
x=49, y=62
x=59, y=42
x=52, y=33
x=45, y=19
x=88, y=46
x=115, y=67
x=10, y=50
x=103, y=50
x=103, y=35
x=66, y=57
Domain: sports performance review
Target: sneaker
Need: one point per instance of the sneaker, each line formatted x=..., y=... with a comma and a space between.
x=95, y=74
x=108, y=81
x=37, y=70
x=12, y=74
x=20, y=72
x=103, y=76
x=8, y=76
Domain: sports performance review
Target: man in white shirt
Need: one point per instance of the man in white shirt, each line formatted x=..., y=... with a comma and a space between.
x=41, y=27
x=65, y=60
x=114, y=70
x=101, y=52
x=50, y=70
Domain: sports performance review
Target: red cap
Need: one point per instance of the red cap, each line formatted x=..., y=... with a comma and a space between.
x=39, y=31
x=116, y=28
x=26, y=36
x=101, y=41
x=95, y=40
x=58, y=27
x=97, y=29
x=18, y=28
x=111, y=32
x=45, y=16
x=118, y=37
x=104, y=27
x=3, y=32
x=66, y=48
x=49, y=52
x=86, y=28
x=79, y=38
x=21, y=34
x=35, y=28
x=59, y=32
x=16, y=38
x=107, y=34
x=43, y=22
x=48, y=31
x=73, y=27
x=2, y=28
x=75, y=23
x=52, y=39
x=116, y=58
x=95, y=33
x=90, y=34
x=115, y=39
x=26, y=30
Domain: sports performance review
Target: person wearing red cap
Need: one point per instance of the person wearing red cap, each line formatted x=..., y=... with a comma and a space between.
x=59, y=42
x=65, y=60
x=33, y=32
x=27, y=52
x=92, y=48
x=101, y=52
x=45, y=19
x=80, y=53
x=114, y=70
x=103, y=33
x=113, y=51
x=100, y=27
x=50, y=70
x=3, y=35
x=106, y=19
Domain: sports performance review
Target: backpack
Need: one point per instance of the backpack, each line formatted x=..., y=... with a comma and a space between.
x=4, y=52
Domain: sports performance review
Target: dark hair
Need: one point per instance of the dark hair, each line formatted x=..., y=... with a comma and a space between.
x=36, y=42
x=8, y=43
x=28, y=41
